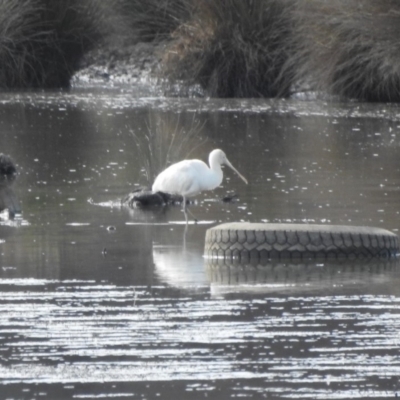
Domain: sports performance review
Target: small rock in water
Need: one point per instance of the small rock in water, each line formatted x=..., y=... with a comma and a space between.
x=229, y=198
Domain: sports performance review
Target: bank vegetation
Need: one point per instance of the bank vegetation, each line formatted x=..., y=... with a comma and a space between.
x=232, y=48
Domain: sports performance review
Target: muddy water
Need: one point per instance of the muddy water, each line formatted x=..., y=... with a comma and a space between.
x=101, y=301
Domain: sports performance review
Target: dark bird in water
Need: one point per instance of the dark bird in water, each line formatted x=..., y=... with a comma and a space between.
x=8, y=173
x=145, y=198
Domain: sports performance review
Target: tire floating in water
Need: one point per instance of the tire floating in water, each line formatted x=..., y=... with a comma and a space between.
x=244, y=241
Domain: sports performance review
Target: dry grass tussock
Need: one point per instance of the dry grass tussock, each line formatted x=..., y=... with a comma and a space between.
x=42, y=41
x=252, y=48
x=152, y=20
x=349, y=48
x=233, y=48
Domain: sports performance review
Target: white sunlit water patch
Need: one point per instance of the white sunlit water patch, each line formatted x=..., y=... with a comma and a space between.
x=133, y=334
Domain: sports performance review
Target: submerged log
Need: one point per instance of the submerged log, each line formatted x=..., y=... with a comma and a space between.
x=146, y=198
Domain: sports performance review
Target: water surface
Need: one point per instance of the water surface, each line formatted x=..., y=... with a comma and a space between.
x=102, y=301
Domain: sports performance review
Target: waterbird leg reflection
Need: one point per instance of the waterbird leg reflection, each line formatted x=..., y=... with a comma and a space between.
x=184, y=237
x=194, y=218
x=186, y=211
x=134, y=296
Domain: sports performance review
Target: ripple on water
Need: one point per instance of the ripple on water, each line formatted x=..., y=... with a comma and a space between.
x=287, y=346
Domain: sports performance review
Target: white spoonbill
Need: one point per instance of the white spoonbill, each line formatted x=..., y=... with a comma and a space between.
x=190, y=177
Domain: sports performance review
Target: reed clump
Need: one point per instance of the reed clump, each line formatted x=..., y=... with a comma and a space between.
x=42, y=41
x=347, y=48
x=152, y=20
x=233, y=48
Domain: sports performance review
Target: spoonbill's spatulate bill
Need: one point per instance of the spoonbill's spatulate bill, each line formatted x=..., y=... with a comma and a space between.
x=190, y=177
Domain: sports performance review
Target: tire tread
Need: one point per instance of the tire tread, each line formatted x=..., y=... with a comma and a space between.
x=247, y=240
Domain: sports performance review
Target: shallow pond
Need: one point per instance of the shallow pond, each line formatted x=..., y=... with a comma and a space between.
x=103, y=301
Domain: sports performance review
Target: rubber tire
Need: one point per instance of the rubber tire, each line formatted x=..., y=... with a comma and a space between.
x=245, y=242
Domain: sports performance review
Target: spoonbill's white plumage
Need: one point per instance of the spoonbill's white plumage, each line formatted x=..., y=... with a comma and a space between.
x=190, y=177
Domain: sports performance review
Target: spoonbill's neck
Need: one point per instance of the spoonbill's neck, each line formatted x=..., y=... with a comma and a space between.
x=215, y=166
x=216, y=175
